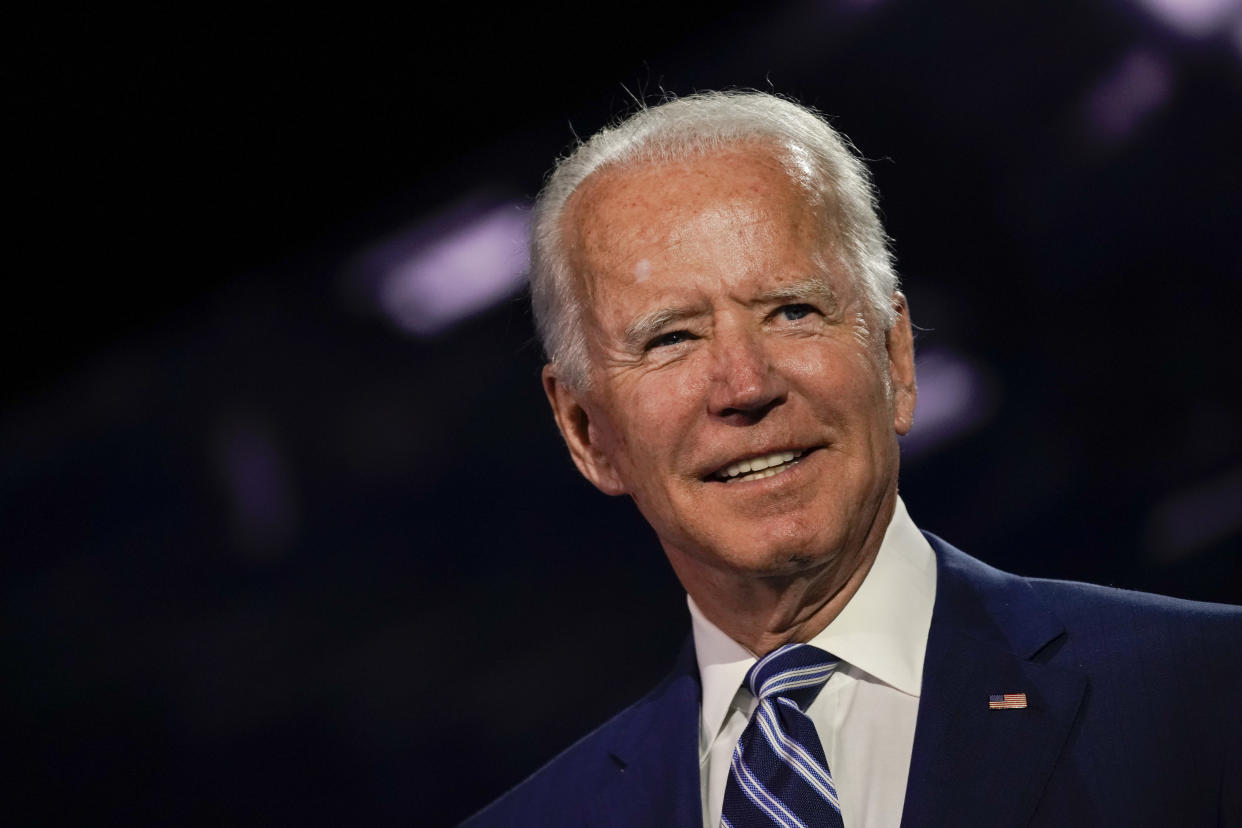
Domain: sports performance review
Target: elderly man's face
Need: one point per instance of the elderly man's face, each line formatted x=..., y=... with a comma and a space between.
x=724, y=335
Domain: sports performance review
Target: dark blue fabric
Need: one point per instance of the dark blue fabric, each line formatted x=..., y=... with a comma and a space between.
x=788, y=796
x=1132, y=719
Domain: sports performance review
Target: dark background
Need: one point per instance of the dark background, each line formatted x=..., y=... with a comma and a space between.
x=273, y=556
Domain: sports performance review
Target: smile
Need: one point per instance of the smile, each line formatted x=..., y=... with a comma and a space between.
x=757, y=468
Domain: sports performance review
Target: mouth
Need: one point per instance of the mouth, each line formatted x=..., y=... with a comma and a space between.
x=759, y=467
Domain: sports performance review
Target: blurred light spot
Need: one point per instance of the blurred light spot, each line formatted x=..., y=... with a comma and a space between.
x=1193, y=18
x=955, y=397
x=1192, y=520
x=262, y=508
x=1122, y=100
x=436, y=273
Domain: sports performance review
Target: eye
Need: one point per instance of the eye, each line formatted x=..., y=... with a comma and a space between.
x=793, y=313
x=670, y=338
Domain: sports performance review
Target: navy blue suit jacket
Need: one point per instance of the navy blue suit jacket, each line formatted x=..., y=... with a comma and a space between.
x=1134, y=718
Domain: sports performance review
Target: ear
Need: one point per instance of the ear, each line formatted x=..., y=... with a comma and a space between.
x=900, y=344
x=581, y=436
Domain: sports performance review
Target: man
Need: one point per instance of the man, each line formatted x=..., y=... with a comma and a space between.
x=727, y=346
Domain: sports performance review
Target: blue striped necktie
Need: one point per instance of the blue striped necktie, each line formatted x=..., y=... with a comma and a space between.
x=779, y=775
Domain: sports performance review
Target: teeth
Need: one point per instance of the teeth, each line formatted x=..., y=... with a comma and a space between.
x=758, y=468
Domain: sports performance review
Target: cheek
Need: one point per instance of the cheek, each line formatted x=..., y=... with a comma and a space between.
x=806, y=363
x=666, y=399
x=661, y=413
x=832, y=368
x=846, y=381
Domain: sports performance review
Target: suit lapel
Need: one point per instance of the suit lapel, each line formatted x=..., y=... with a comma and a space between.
x=973, y=765
x=656, y=759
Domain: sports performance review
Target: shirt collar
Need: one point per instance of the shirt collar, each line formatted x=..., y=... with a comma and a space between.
x=868, y=634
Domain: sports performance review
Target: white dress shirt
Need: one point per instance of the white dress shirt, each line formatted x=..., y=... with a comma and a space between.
x=865, y=715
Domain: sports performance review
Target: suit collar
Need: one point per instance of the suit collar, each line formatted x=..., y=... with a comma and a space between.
x=867, y=634
x=989, y=604
x=971, y=765
x=990, y=634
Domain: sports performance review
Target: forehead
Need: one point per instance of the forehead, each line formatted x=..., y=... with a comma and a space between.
x=644, y=201
x=692, y=212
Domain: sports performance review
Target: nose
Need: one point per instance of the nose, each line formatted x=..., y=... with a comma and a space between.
x=745, y=384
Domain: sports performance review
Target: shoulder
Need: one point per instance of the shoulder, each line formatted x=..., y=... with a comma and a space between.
x=564, y=790
x=1102, y=610
x=561, y=786
x=1085, y=609
x=1093, y=625
x=1136, y=688
x=1192, y=640
x=1134, y=641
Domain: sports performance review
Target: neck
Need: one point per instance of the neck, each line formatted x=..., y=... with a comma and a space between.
x=763, y=612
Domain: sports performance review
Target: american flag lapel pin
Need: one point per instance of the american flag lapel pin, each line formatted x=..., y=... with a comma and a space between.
x=1007, y=701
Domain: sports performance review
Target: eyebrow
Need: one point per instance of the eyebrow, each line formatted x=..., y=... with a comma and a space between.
x=642, y=329
x=813, y=289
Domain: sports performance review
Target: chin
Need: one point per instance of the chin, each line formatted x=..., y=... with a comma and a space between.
x=783, y=559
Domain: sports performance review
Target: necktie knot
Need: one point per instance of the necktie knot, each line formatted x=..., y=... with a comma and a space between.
x=794, y=671
x=779, y=775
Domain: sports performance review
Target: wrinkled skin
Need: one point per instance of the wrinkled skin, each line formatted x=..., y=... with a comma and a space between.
x=721, y=325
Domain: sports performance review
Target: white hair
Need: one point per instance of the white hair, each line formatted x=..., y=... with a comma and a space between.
x=697, y=126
